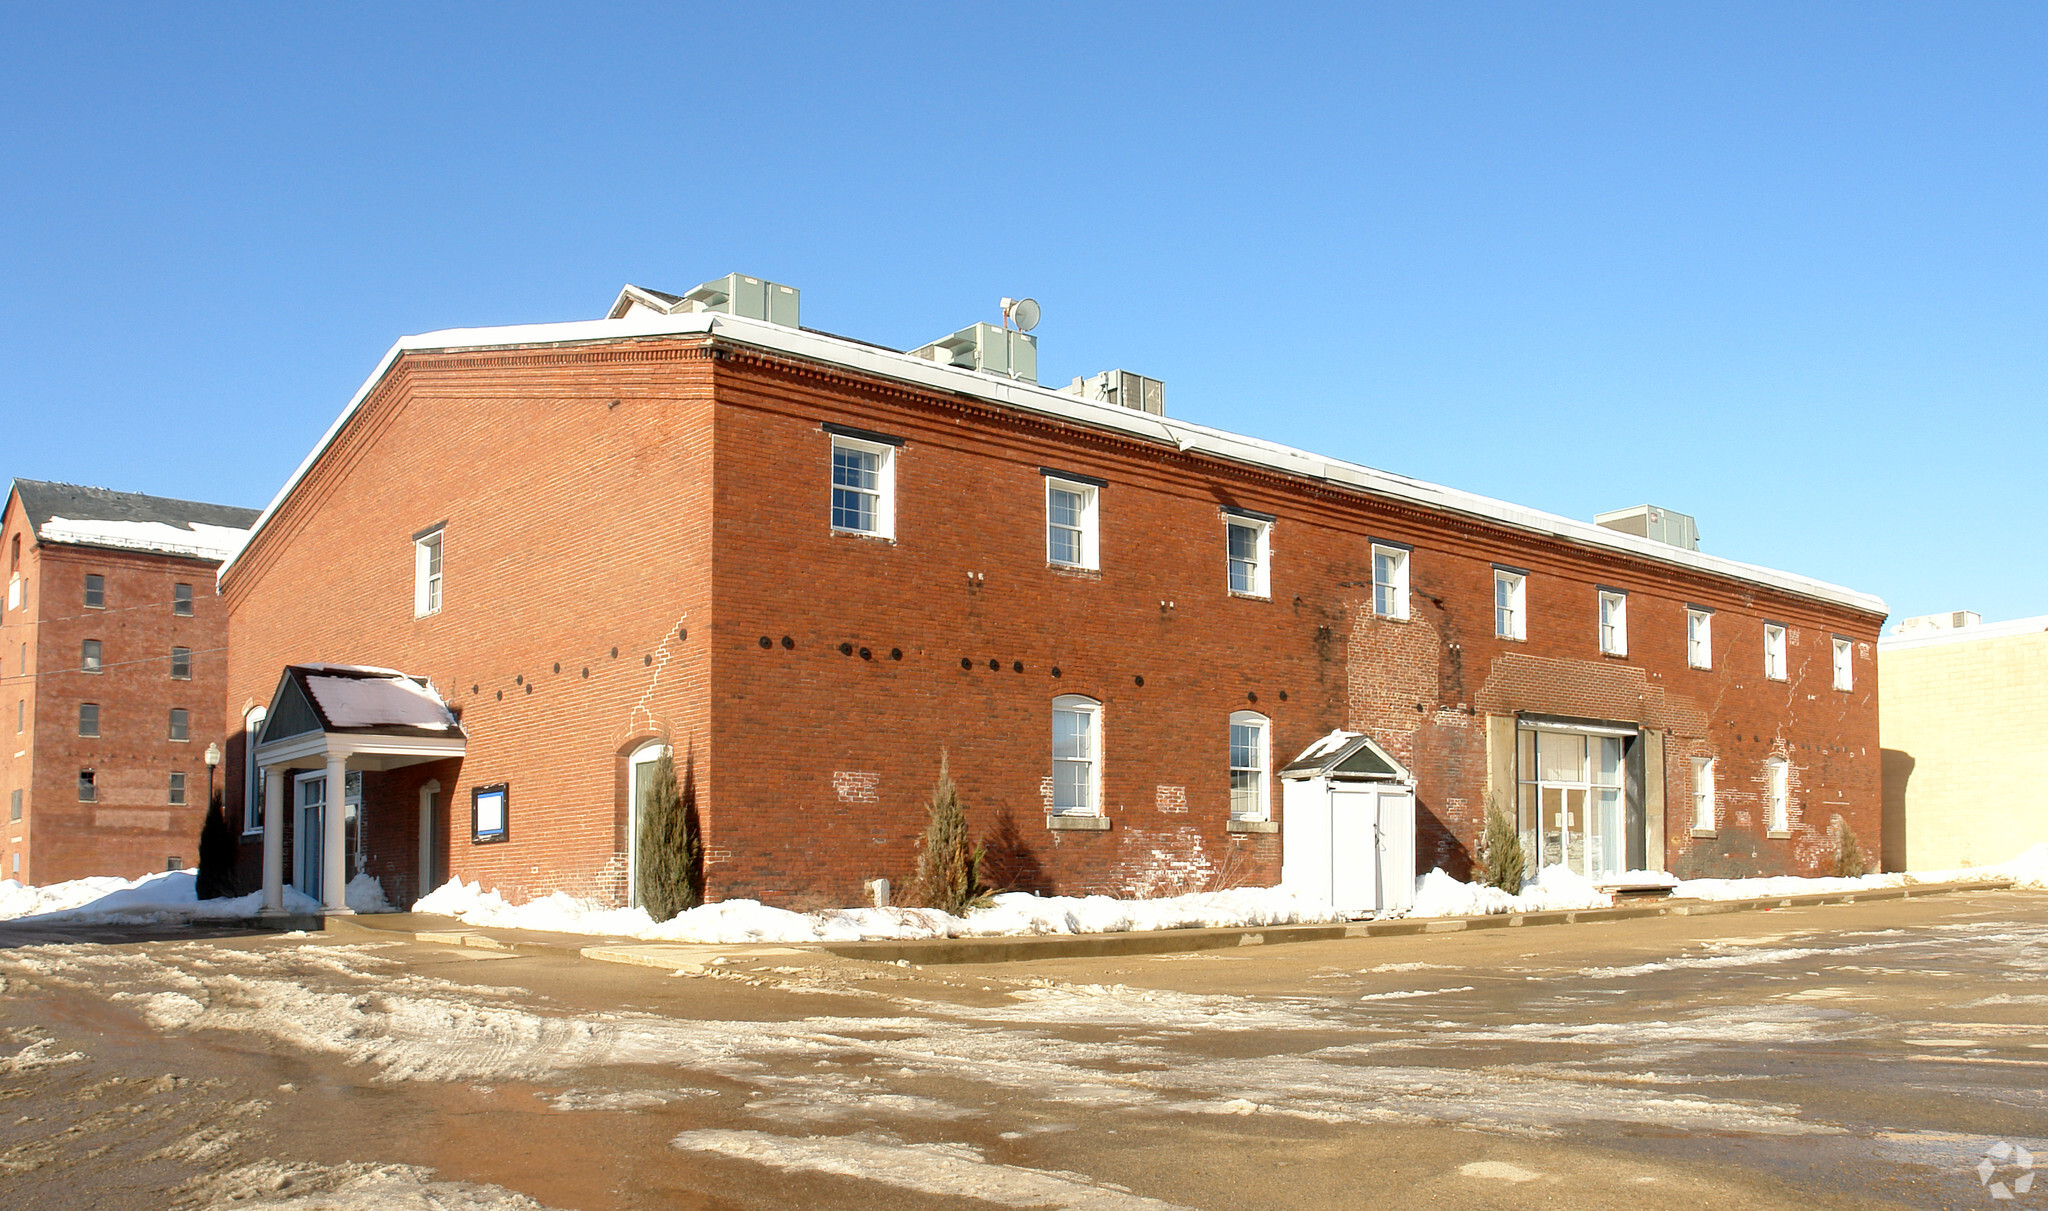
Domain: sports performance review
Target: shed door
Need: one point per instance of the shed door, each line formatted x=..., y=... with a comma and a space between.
x=1354, y=849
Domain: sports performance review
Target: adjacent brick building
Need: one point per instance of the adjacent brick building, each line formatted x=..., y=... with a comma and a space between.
x=813, y=566
x=112, y=668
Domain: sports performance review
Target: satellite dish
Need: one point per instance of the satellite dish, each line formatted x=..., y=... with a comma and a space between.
x=1024, y=312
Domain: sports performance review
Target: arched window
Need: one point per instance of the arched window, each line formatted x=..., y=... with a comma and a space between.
x=1076, y=756
x=1251, y=766
x=252, y=774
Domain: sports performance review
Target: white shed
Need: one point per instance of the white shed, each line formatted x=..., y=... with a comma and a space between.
x=1348, y=828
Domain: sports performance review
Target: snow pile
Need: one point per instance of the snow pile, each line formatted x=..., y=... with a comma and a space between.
x=193, y=538
x=2030, y=869
x=105, y=900
x=365, y=894
x=1638, y=879
x=1554, y=887
x=740, y=921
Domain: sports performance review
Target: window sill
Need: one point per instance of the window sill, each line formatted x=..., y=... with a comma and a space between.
x=1512, y=638
x=870, y=535
x=1250, y=596
x=248, y=833
x=1778, y=835
x=1615, y=655
x=1254, y=826
x=1702, y=668
x=1086, y=824
x=1704, y=833
x=1391, y=617
x=1074, y=569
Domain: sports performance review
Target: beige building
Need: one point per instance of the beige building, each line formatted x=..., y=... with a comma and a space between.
x=1963, y=722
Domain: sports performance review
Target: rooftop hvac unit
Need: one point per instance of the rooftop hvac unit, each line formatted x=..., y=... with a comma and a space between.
x=987, y=348
x=1648, y=521
x=738, y=294
x=1123, y=388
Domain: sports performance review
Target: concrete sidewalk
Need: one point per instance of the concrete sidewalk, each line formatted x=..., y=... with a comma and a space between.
x=688, y=956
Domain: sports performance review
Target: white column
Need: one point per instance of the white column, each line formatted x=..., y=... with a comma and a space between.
x=274, y=808
x=333, y=847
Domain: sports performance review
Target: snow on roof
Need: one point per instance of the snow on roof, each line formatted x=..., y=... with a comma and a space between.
x=358, y=698
x=1983, y=630
x=195, y=539
x=1031, y=397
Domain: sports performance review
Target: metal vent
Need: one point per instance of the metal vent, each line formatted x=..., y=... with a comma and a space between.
x=1122, y=388
x=986, y=348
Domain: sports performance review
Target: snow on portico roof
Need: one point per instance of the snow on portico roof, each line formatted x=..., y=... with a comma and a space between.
x=358, y=698
x=642, y=323
x=101, y=517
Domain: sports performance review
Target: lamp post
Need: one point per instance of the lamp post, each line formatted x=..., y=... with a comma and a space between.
x=212, y=763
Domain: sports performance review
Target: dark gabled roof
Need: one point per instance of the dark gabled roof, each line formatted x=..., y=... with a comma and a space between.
x=1346, y=757
x=355, y=699
x=42, y=500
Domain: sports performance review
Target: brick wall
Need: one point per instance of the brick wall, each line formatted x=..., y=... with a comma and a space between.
x=598, y=499
x=576, y=588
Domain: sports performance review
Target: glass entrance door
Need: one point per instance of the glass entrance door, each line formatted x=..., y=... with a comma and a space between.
x=309, y=835
x=1571, y=801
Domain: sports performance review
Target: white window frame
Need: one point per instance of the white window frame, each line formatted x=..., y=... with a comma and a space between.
x=1612, y=621
x=1257, y=578
x=1703, y=795
x=1087, y=532
x=1091, y=711
x=1844, y=660
x=91, y=656
x=1778, y=794
x=429, y=567
x=1510, y=617
x=1390, y=591
x=882, y=497
x=1699, y=637
x=187, y=654
x=1261, y=807
x=1774, y=652
x=252, y=773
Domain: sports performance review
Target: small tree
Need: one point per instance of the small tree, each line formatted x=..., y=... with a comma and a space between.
x=669, y=849
x=948, y=866
x=216, y=878
x=1501, y=858
x=1849, y=860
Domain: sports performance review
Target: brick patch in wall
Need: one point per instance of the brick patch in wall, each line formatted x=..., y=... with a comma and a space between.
x=1171, y=798
x=857, y=786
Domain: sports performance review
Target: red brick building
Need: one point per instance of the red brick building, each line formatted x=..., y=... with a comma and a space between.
x=112, y=668
x=814, y=565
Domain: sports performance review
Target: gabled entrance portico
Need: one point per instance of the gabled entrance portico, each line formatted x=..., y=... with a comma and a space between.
x=325, y=721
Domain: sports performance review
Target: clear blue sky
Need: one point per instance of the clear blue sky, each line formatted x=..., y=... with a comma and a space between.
x=1779, y=266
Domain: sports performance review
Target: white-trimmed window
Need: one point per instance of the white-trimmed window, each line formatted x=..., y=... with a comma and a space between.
x=1248, y=548
x=181, y=724
x=177, y=790
x=252, y=774
x=89, y=656
x=181, y=664
x=95, y=591
x=1845, y=674
x=1774, y=651
x=88, y=718
x=1250, y=766
x=1703, y=794
x=1613, y=622
x=1076, y=756
x=181, y=600
x=426, y=574
x=863, y=486
x=1389, y=581
x=1699, y=637
x=1071, y=522
x=1777, y=793
x=1510, y=604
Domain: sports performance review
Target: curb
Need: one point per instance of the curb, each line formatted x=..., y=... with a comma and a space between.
x=448, y=931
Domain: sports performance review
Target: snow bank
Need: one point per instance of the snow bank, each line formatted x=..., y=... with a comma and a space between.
x=1554, y=887
x=365, y=894
x=738, y=921
x=104, y=900
x=2030, y=869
